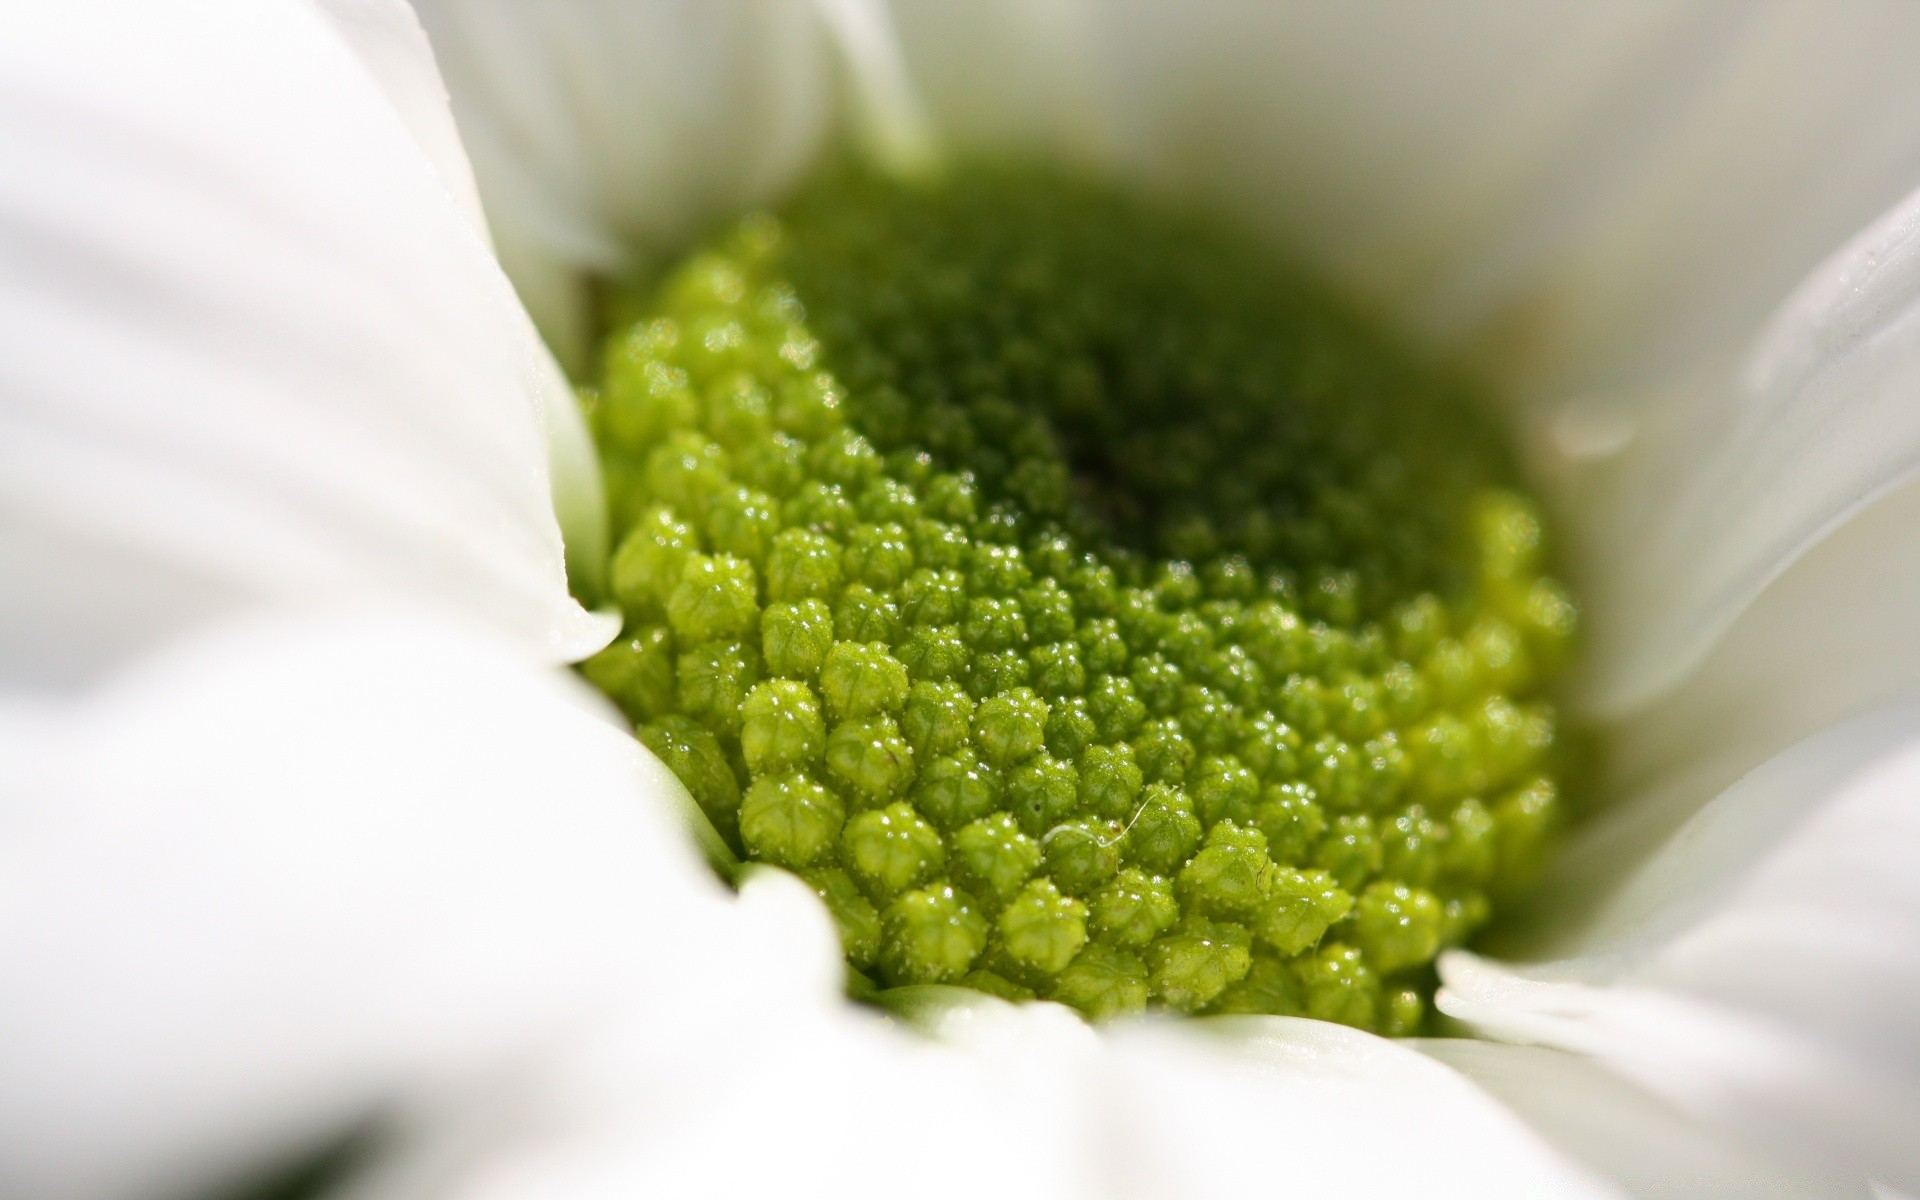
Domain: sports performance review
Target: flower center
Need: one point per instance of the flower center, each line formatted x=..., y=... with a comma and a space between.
x=1083, y=604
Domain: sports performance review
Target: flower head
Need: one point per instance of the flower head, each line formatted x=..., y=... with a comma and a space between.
x=310, y=834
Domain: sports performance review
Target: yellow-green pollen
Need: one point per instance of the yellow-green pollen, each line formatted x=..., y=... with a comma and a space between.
x=1083, y=604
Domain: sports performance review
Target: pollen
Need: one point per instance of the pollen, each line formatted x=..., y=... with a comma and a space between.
x=1084, y=603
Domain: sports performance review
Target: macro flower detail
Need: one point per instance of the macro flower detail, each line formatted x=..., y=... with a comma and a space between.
x=1082, y=611
x=324, y=871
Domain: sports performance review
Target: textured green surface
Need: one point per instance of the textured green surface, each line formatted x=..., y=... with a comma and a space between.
x=1083, y=605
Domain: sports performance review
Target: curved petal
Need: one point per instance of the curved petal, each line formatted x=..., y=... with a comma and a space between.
x=890, y=120
x=285, y=874
x=1346, y=1112
x=252, y=350
x=1021, y=1101
x=1650, y=1148
x=1610, y=175
x=1760, y=969
x=1828, y=640
x=387, y=38
x=603, y=133
x=1714, y=500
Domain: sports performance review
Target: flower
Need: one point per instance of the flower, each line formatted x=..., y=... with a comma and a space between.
x=306, y=836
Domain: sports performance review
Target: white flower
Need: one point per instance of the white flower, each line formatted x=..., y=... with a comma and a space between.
x=302, y=834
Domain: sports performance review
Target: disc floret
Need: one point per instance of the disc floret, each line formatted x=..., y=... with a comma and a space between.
x=1083, y=605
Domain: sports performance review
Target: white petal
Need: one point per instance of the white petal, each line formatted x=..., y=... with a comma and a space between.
x=1650, y=1148
x=389, y=40
x=1760, y=970
x=1031, y=74
x=253, y=349
x=604, y=133
x=387, y=37
x=890, y=119
x=1714, y=500
x=1831, y=638
x=286, y=874
x=1328, y=1110
x=1019, y=1101
x=1456, y=162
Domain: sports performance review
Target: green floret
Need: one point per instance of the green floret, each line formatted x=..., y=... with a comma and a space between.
x=789, y=819
x=1298, y=907
x=1103, y=982
x=714, y=600
x=1192, y=965
x=1041, y=929
x=795, y=637
x=1398, y=926
x=1164, y=832
x=780, y=727
x=892, y=849
x=1134, y=908
x=860, y=679
x=1082, y=604
x=957, y=788
x=932, y=935
x=994, y=858
x=869, y=760
x=1082, y=854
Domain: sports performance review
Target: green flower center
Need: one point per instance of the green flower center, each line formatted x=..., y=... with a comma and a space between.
x=1083, y=604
